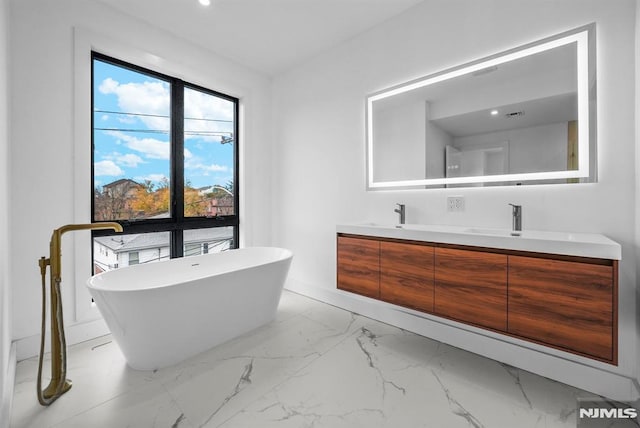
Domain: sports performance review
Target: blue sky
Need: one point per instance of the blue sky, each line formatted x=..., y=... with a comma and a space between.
x=131, y=127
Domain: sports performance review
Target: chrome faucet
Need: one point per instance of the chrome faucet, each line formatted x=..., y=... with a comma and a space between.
x=400, y=210
x=517, y=218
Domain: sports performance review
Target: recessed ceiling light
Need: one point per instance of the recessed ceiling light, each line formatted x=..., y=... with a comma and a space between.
x=494, y=112
x=205, y=2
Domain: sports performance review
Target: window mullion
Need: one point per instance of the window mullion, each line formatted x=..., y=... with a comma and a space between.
x=177, y=167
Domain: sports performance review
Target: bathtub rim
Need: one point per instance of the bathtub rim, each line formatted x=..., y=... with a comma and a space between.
x=287, y=254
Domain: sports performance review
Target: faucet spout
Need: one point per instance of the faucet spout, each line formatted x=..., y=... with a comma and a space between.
x=59, y=383
x=516, y=217
x=401, y=211
x=55, y=246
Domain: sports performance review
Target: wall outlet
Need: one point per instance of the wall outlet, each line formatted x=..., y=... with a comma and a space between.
x=455, y=203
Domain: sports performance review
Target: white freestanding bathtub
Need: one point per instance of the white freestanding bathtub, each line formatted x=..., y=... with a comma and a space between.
x=162, y=313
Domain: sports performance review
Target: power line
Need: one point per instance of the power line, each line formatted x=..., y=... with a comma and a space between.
x=148, y=131
x=160, y=115
x=130, y=114
x=162, y=131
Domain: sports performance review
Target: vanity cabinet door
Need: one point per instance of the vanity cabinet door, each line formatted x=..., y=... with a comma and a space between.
x=359, y=266
x=471, y=286
x=565, y=304
x=406, y=275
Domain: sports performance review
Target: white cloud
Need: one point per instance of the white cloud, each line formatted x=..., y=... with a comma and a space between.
x=127, y=119
x=207, y=168
x=201, y=105
x=108, y=86
x=216, y=168
x=198, y=105
x=130, y=160
x=151, y=98
x=150, y=147
x=107, y=167
x=196, y=164
x=152, y=177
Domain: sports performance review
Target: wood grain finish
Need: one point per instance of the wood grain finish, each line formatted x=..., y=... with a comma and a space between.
x=359, y=266
x=406, y=275
x=564, y=304
x=471, y=286
x=569, y=303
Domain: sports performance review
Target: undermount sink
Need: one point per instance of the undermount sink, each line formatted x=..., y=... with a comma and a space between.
x=536, y=234
x=572, y=244
x=498, y=232
x=417, y=227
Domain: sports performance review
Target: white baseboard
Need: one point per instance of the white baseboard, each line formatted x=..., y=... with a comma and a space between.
x=572, y=370
x=28, y=347
x=6, y=396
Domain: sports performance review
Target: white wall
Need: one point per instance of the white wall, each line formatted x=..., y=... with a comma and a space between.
x=50, y=137
x=6, y=365
x=320, y=161
x=400, y=127
x=436, y=141
x=534, y=149
x=636, y=179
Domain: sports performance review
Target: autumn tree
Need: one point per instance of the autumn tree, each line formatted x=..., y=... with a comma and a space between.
x=218, y=200
x=195, y=204
x=151, y=200
x=114, y=201
x=126, y=199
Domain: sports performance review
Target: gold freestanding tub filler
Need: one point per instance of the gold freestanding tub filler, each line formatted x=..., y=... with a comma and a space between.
x=59, y=383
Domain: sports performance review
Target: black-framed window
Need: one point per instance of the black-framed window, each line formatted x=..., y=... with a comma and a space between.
x=164, y=164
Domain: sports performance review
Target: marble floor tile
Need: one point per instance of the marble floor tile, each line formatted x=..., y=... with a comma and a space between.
x=242, y=370
x=316, y=366
x=292, y=304
x=148, y=406
x=363, y=382
x=98, y=373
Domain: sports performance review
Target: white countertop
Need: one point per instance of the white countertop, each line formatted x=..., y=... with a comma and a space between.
x=564, y=243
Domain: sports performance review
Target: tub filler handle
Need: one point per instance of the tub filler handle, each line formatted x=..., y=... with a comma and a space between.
x=59, y=383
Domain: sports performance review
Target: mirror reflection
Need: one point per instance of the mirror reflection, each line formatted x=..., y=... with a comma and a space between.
x=518, y=117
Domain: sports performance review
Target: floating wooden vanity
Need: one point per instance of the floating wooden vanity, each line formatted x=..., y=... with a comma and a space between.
x=562, y=301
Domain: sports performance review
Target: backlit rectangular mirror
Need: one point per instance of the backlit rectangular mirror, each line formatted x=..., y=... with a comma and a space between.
x=525, y=116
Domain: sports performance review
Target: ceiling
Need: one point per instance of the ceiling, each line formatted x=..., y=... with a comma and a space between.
x=269, y=36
